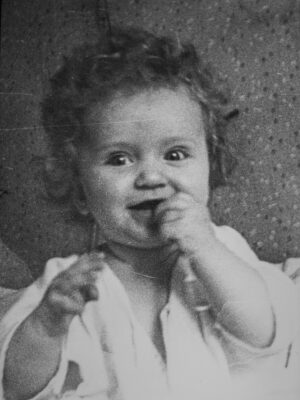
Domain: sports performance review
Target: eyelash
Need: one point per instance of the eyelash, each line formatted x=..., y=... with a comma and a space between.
x=114, y=158
x=185, y=154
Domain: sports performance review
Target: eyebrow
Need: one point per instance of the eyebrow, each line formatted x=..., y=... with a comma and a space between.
x=166, y=142
x=182, y=139
x=124, y=121
x=107, y=146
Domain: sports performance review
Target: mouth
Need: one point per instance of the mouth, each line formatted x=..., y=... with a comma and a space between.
x=144, y=212
x=147, y=205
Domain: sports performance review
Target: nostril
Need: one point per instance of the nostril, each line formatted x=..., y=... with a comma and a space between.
x=150, y=180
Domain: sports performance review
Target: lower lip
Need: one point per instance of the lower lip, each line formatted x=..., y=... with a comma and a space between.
x=144, y=216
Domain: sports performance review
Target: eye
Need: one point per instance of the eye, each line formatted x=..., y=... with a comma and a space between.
x=176, y=155
x=119, y=159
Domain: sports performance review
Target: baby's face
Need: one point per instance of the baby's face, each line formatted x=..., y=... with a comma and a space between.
x=142, y=150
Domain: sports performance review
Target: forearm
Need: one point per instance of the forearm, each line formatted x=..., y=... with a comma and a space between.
x=237, y=294
x=32, y=359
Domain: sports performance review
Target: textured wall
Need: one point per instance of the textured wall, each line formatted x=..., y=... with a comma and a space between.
x=14, y=273
x=253, y=45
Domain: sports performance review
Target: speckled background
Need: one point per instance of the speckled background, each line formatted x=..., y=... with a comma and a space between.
x=253, y=45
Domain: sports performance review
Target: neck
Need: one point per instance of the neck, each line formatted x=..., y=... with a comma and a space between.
x=156, y=263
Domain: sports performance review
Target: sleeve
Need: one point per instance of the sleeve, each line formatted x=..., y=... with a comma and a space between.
x=17, y=306
x=291, y=267
x=283, y=296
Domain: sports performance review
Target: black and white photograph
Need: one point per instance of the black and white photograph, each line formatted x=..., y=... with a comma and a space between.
x=150, y=200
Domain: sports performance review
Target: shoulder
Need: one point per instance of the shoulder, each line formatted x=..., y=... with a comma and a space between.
x=283, y=293
x=292, y=268
x=235, y=242
x=229, y=236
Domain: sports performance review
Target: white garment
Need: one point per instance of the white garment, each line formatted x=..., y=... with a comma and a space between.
x=118, y=361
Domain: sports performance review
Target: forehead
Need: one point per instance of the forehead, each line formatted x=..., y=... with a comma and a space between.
x=156, y=112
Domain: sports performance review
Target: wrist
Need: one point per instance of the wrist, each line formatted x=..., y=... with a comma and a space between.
x=49, y=323
x=201, y=243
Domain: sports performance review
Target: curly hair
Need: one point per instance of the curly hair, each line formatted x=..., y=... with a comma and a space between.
x=131, y=60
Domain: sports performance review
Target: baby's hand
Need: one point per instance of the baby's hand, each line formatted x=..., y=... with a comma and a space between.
x=184, y=221
x=68, y=293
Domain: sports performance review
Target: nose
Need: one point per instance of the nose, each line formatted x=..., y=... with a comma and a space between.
x=150, y=177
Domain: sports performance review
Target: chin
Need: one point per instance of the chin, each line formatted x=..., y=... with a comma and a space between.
x=139, y=240
x=143, y=243
x=129, y=233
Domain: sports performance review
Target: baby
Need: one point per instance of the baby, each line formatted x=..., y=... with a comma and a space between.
x=169, y=306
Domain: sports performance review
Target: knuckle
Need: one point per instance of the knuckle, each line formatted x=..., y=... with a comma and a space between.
x=54, y=298
x=89, y=292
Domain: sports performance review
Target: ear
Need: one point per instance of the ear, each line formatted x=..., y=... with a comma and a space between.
x=94, y=239
x=79, y=199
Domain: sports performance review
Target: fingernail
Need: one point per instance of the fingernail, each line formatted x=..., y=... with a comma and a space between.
x=101, y=255
x=97, y=255
x=190, y=278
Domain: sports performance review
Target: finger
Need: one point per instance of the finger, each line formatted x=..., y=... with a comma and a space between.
x=68, y=280
x=164, y=209
x=185, y=266
x=85, y=269
x=66, y=304
x=169, y=216
x=81, y=294
x=168, y=232
x=97, y=257
x=89, y=262
x=89, y=292
x=179, y=201
x=71, y=280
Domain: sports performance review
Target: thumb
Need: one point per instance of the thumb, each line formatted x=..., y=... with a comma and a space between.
x=184, y=263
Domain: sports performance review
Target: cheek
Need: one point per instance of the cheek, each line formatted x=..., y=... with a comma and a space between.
x=200, y=187
x=199, y=183
x=104, y=193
